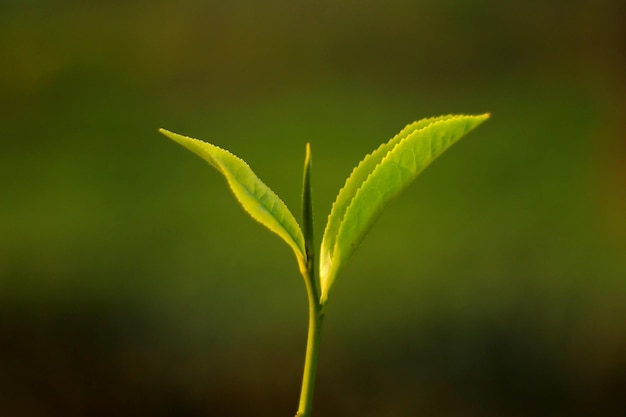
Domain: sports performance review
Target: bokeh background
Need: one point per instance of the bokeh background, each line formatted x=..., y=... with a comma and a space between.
x=131, y=283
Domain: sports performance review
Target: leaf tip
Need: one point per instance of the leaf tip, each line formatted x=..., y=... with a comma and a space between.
x=168, y=133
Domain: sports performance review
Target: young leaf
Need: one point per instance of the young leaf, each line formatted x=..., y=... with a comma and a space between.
x=307, y=209
x=355, y=180
x=377, y=179
x=255, y=197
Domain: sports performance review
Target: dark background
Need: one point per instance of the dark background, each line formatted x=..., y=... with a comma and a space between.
x=131, y=282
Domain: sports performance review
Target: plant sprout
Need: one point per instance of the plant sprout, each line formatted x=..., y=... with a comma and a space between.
x=379, y=177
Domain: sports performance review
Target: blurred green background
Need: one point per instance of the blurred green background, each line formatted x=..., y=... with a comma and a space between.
x=131, y=282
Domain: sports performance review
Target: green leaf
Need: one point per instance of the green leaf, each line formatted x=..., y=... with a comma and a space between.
x=255, y=197
x=378, y=178
x=355, y=180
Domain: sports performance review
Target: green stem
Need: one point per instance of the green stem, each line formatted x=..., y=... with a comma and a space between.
x=316, y=312
x=316, y=317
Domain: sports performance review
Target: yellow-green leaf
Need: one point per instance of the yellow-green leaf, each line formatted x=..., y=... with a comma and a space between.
x=377, y=179
x=257, y=199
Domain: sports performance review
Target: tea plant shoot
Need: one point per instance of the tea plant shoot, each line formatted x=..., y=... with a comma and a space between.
x=378, y=178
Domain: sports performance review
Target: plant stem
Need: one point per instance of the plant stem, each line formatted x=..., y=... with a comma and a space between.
x=316, y=311
x=316, y=317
